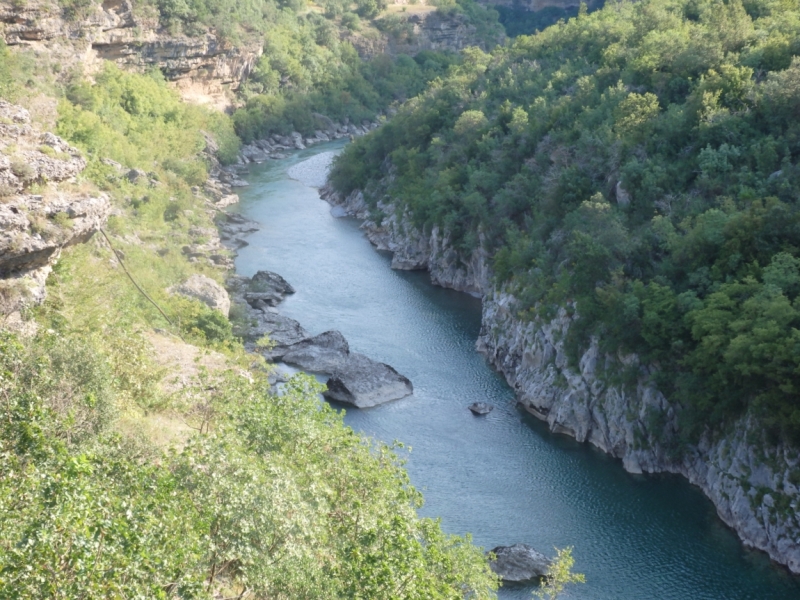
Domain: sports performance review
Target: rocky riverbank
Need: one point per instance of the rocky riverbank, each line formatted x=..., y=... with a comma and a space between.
x=277, y=146
x=353, y=378
x=754, y=485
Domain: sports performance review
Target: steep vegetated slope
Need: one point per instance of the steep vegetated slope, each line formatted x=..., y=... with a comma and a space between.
x=126, y=476
x=286, y=48
x=306, y=68
x=623, y=190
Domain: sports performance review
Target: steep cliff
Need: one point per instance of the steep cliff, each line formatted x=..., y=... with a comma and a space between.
x=34, y=227
x=205, y=68
x=412, y=33
x=753, y=484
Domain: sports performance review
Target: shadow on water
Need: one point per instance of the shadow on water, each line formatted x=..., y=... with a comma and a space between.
x=504, y=477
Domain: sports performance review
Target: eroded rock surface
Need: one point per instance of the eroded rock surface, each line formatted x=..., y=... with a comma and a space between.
x=519, y=563
x=324, y=353
x=353, y=378
x=34, y=228
x=201, y=66
x=364, y=383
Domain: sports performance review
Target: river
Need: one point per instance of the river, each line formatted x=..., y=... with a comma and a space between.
x=504, y=478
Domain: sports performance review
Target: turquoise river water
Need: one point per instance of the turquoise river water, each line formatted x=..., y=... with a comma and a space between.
x=504, y=478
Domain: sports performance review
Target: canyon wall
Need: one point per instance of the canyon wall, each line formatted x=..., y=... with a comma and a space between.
x=204, y=68
x=754, y=485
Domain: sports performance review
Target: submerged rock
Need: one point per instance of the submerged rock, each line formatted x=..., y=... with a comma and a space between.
x=364, y=382
x=519, y=563
x=481, y=408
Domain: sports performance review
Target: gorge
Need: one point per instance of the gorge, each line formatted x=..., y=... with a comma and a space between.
x=587, y=237
x=501, y=479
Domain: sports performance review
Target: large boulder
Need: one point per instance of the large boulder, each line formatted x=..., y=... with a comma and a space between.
x=282, y=331
x=272, y=281
x=363, y=382
x=324, y=353
x=519, y=563
x=205, y=289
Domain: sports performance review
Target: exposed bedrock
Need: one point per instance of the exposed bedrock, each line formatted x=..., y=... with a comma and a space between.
x=202, y=67
x=752, y=483
x=34, y=228
x=363, y=382
x=353, y=378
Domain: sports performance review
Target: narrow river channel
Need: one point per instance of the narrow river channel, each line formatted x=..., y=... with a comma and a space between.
x=504, y=478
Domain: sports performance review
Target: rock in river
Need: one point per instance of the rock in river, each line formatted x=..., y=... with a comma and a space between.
x=267, y=281
x=480, y=408
x=364, y=382
x=324, y=353
x=282, y=331
x=519, y=563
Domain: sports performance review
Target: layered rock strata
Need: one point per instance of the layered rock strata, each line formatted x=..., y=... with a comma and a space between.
x=754, y=485
x=203, y=67
x=34, y=228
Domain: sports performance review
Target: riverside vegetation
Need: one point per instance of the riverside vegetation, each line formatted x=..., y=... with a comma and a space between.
x=116, y=486
x=638, y=165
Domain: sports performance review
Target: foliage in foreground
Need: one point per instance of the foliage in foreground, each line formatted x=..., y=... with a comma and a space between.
x=559, y=576
x=265, y=497
x=642, y=162
x=275, y=496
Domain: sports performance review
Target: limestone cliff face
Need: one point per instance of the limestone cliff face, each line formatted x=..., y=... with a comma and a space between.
x=414, y=249
x=432, y=30
x=203, y=68
x=35, y=227
x=753, y=485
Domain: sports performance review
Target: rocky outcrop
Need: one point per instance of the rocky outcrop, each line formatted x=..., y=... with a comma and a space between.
x=519, y=563
x=34, y=228
x=428, y=30
x=364, y=383
x=413, y=248
x=206, y=290
x=353, y=378
x=753, y=484
x=203, y=67
x=323, y=353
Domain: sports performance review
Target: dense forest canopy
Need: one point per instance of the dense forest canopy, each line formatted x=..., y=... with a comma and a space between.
x=306, y=68
x=639, y=163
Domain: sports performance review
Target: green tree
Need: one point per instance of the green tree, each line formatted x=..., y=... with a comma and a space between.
x=559, y=576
